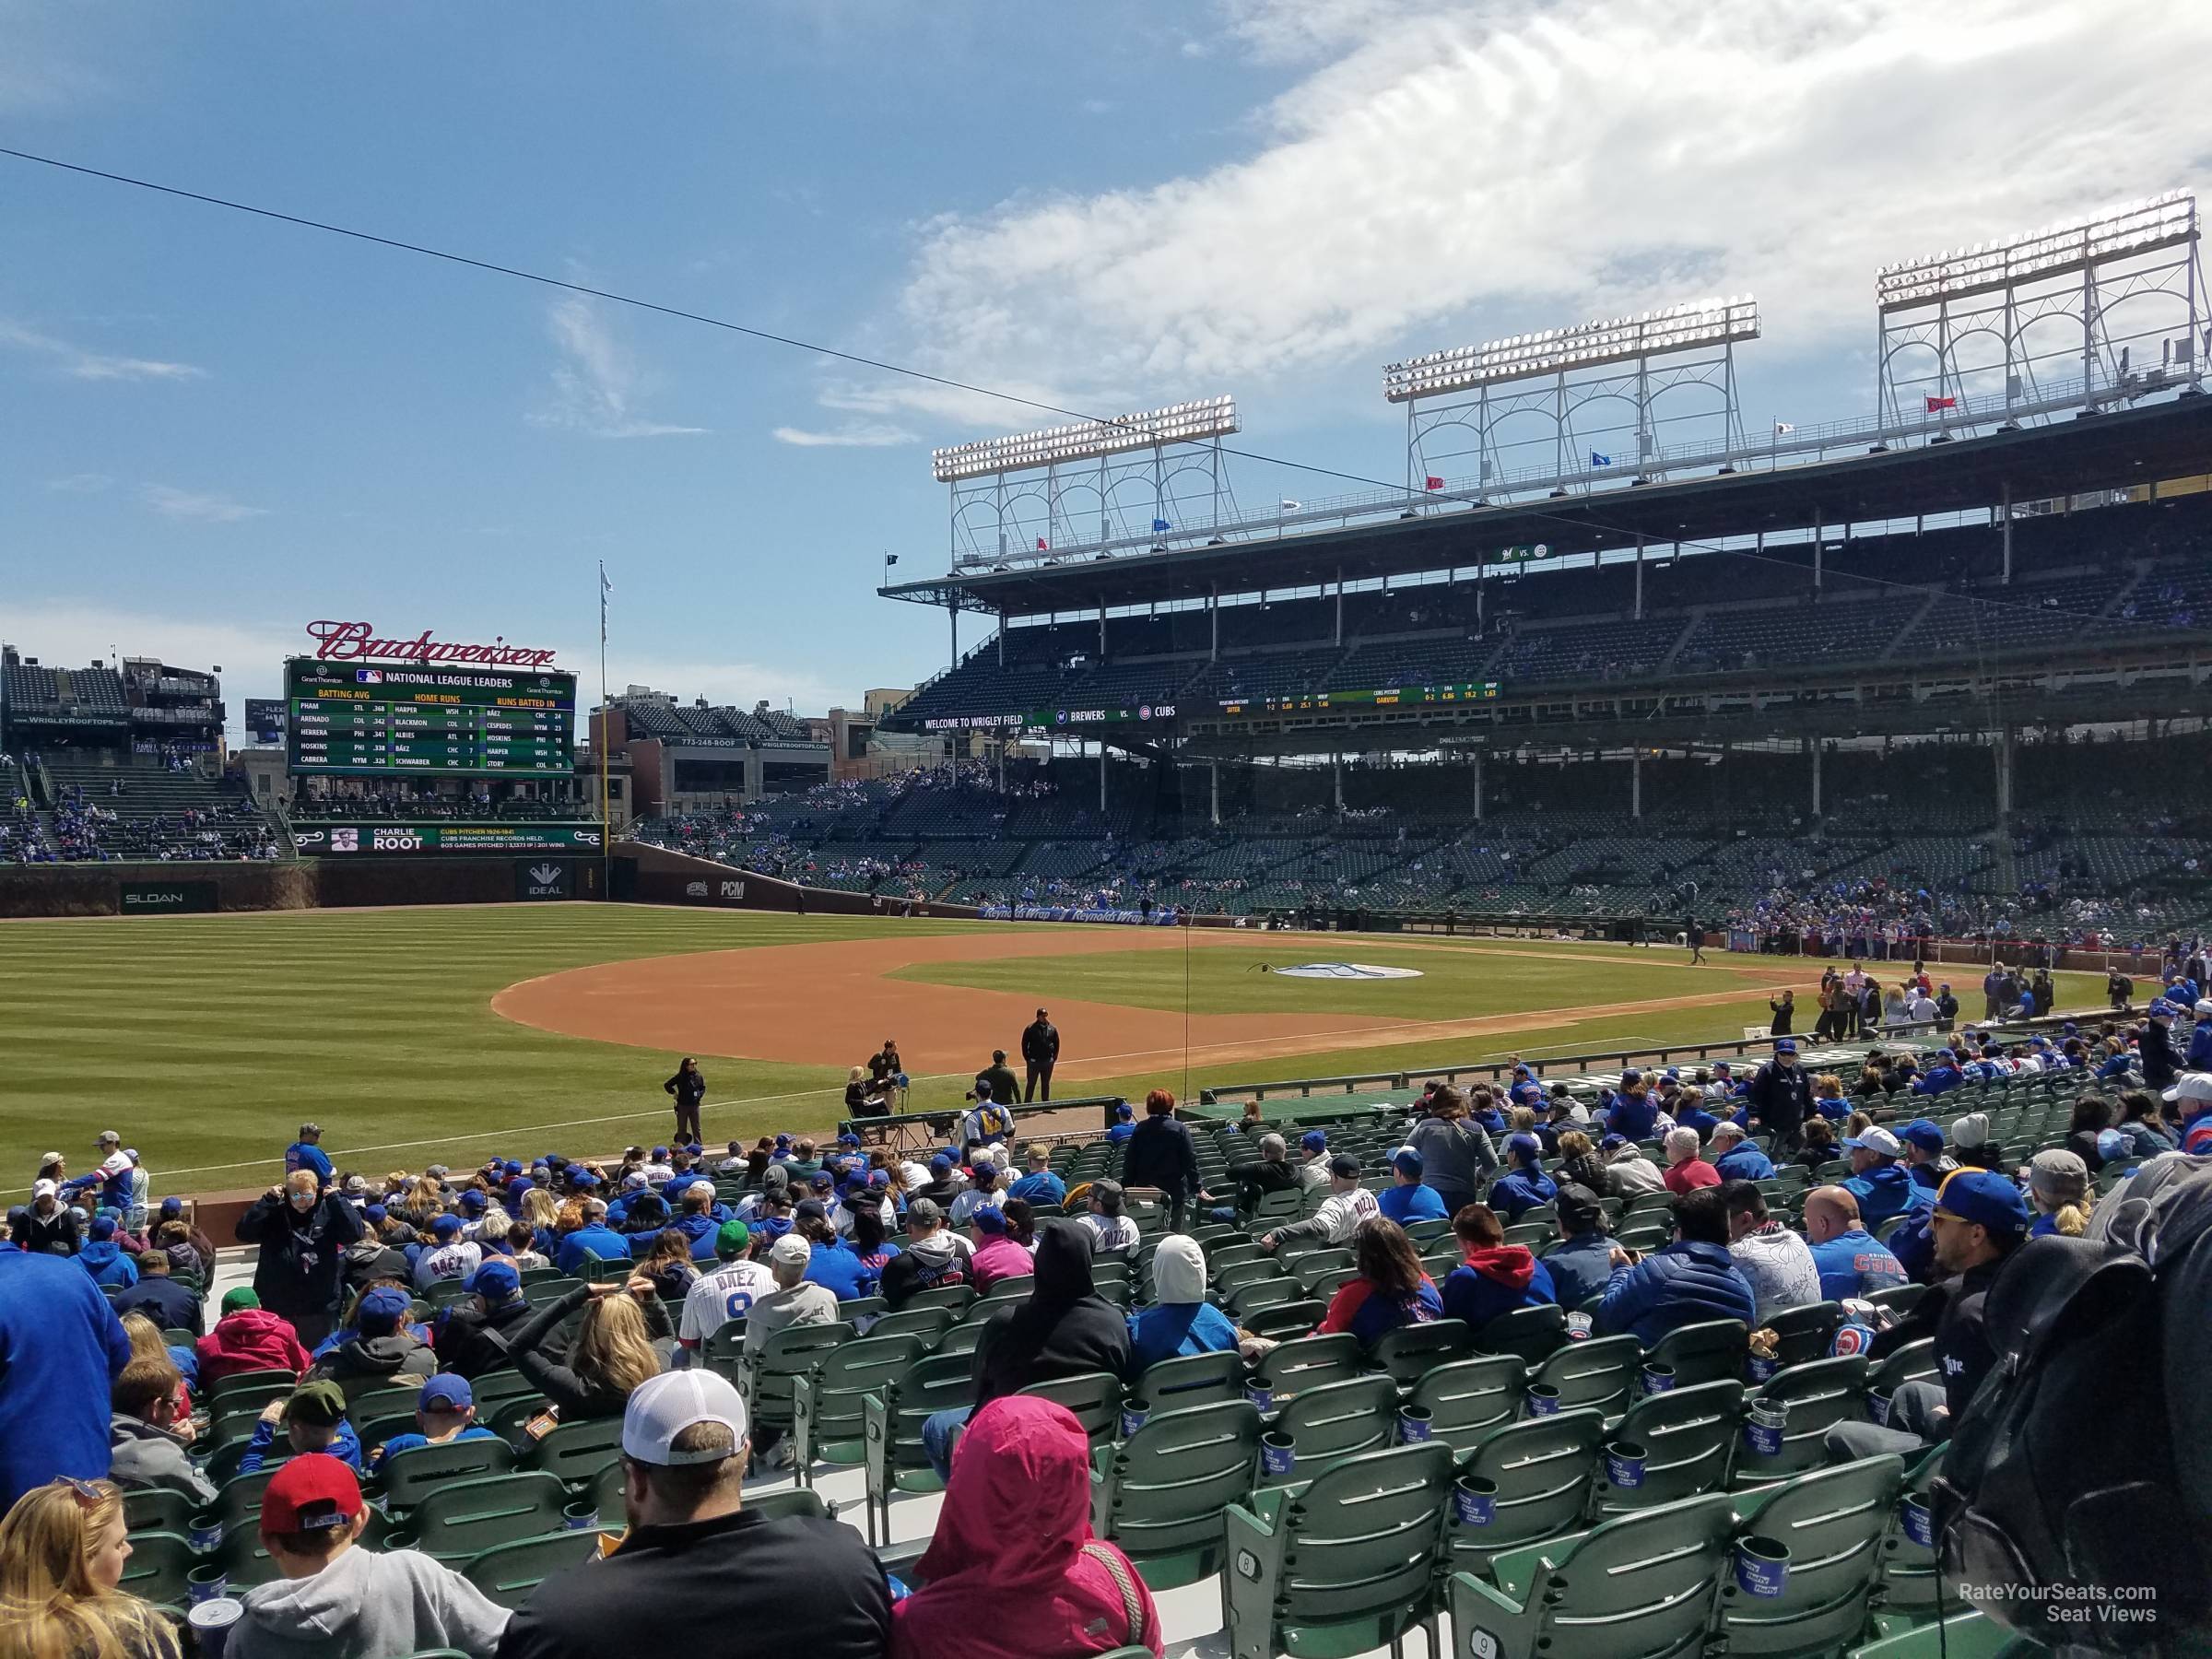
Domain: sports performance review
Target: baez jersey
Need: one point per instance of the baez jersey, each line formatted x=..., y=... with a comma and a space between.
x=725, y=1294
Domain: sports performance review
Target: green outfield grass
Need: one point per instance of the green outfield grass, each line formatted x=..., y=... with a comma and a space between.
x=1463, y=983
x=206, y=1039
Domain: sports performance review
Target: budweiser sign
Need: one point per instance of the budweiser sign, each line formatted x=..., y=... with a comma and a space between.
x=358, y=641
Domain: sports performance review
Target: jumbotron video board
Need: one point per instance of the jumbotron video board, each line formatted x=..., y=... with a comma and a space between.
x=1387, y=696
x=356, y=720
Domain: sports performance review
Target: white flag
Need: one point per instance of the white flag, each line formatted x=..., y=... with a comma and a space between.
x=1289, y=506
x=1782, y=427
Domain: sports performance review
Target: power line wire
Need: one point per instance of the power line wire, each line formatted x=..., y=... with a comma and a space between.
x=880, y=365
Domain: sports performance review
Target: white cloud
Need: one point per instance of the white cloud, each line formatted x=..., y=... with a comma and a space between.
x=1453, y=169
x=597, y=383
x=83, y=483
x=78, y=363
x=855, y=434
x=65, y=631
x=198, y=507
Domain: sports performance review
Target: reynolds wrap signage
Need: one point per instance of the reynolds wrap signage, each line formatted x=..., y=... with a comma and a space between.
x=1162, y=916
x=165, y=898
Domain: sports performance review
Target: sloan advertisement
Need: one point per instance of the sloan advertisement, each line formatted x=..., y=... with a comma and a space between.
x=343, y=841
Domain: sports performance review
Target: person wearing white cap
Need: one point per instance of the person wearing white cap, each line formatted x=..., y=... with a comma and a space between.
x=697, y=1573
x=1883, y=1186
x=795, y=1300
x=45, y=1227
x=2191, y=1099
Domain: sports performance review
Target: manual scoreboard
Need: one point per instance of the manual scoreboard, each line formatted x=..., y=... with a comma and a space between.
x=344, y=718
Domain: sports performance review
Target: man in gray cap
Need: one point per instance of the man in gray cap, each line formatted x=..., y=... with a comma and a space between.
x=1347, y=1205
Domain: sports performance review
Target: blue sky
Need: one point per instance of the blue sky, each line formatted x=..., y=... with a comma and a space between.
x=220, y=429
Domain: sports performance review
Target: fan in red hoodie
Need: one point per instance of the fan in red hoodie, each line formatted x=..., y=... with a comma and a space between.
x=1496, y=1278
x=248, y=1337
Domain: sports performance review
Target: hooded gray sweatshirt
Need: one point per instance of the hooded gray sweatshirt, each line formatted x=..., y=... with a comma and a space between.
x=368, y=1605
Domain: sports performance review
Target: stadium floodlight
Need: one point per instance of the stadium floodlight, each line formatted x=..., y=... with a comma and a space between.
x=1557, y=350
x=1088, y=440
x=2159, y=221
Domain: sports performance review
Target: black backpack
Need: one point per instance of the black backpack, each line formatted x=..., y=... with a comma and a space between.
x=2061, y=1508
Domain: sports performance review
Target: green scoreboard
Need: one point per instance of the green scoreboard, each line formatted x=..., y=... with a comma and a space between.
x=345, y=719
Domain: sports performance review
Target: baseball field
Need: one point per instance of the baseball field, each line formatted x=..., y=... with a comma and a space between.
x=450, y=1032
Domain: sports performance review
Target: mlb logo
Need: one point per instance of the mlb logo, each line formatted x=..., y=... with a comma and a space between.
x=369, y=676
x=345, y=841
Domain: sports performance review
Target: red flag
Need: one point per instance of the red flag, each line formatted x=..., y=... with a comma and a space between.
x=1041, y=547
x=1433, y=482
x=1942, y=403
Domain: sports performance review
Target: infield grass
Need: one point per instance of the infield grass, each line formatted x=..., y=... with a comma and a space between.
x=206, y=1039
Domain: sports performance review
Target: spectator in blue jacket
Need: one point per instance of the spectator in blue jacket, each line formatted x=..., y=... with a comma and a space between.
x=1942, y=1075
x=1689, y=1113
x=1124, y=1124
x=1581, y=1264
x=1406, y=1200
x=1691, y=1280
x=306, y=1153
x=1493, y=1277
x=1524, y=1185
x=1883, y=1186
x=1527, y=1090
x=829, y=1265
x=595, y=1238
x=2200, y=1037
x=1736, y=1157
x=1633, y=1115
x=698, y=1223
x=1725, y=1084
x=1853, y=1262
x=64, y=1347
x=1040, y=1186
x=105, y=1259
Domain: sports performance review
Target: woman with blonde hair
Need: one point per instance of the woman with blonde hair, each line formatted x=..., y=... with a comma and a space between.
x=1580, y=1164
x=62, y=1553
x=2058, y=1185
x=612, y=1354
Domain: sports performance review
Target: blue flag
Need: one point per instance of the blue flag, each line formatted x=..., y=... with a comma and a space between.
x=1158, y=524
x=1599, y=460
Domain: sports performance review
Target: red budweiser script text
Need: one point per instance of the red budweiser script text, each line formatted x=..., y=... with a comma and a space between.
x=353, y=641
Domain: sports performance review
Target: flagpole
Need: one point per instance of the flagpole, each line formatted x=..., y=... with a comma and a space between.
x=606, y=826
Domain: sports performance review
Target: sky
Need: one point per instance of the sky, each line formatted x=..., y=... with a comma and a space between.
x=220, y=428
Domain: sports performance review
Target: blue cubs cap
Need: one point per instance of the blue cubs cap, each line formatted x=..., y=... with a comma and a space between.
x=495, y=1281
x=1923, y=1134
x=381, y=1310
x=987, y=1219
x=940, y=1165
x=375, y=1213
x=1630, y=1076
x=171, y=1208
x=446, y=1227
x=448, y=1391
x=1986, y=1199
x=1314, y=1140
x=584, y=1178
x=1786, y=1045
x=1409, y=1162
x=1124, y=1111
x=1613, y=1142
x=1524, y=1146
x=473, y=1200
x=879, y=1178
x=847, y=1140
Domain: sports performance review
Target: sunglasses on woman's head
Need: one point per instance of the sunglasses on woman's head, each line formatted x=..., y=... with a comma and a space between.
x=86, y=1492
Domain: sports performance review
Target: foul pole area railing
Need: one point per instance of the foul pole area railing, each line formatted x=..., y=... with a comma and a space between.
x=606, y=828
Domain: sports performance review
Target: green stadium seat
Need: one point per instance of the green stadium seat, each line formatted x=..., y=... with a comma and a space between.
x=1308, y=1362
x=959, y=1298
x=459, y=1521
x=1467, y=1398
x=573, y=1452
x=1803, y=1333
x=1961, y=1636
x=1283, y=1321
x=1599, y=1372
x=407, y=1476
x=1409, y=1350
x=1341, y=1564
x=1161, y=1494
x=506, y=1573
x=1639, y=1586
x=1190, y=1381
x=825, y=1401
x=929, y=1323
x=1530, y=1335
x=1712, y=1351
x=766, y=1376
x=1814, y=1396
x=158, y=1510
x=157, y=1568
x=1688, y=1437
x=891, y=1426
x=1910, y=1585
x=1541, y=1471
x=1335, y=1421
x=1832, y=1522
x=1095, y=1398
x=961, y=1339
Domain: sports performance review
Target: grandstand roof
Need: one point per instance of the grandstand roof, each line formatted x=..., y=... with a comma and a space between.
x=2109, y=449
